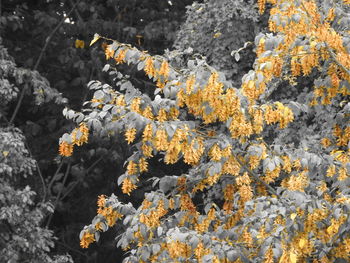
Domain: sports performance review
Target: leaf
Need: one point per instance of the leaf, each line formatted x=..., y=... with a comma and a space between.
x=237, y=56
x=99, y=94
x=167, y=183
x=194, y=241
x=106, y=68
x=95, y=39
x=145, y=254
x=97, y=236
x=155, y=248
x=159, y=231
x=232, y=255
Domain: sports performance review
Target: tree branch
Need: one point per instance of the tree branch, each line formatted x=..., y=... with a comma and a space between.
x=59, y=194
x=47, y=41
x=256, y=177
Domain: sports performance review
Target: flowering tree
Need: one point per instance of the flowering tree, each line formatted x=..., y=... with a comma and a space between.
x=269, y=161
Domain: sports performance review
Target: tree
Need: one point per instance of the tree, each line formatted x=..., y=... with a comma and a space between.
x=214, y=29
x=23, y=239
x=268, y=180
x=48, y=41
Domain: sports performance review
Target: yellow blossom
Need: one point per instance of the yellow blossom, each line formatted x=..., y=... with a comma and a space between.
x=143, y=164
x=130, y=135
x=87, y=239
x=162, y=115
x=147, y=133
x=132, y=168
x=164, y=69
x=120, y=58
x=161, y=140
x=128, y=186
x=65, y=149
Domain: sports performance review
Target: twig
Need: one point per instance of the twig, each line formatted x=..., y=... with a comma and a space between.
x=70, y=190
x=54, y=176
x=70, y=248
x=39, y=171
x=86, y=91
x=256, y=177
x=76, y=11
x=94, y=164
x=77, y=182
x=47, y=41
x=59, y=194
x=19, y=103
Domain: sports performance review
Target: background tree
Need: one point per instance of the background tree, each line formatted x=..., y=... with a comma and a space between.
x=66, y=63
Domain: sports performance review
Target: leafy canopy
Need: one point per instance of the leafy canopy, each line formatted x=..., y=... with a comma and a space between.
x=269, y=179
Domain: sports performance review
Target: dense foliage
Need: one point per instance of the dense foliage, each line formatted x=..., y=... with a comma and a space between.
x=231, y=147
x=23, y=239
x=268, y=162
x=47, y=65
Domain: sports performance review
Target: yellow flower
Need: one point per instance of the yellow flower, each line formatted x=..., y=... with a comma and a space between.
x=164, y=69
x=331, y=171
x=342, y=174
x=128, y=186
x=143, y=164
x=132, y=168
x=149, y=67
x=174, y=113
x=261, y=5
x=98, y=226
x=147, y=150
x=87, y=239
x=215, y=153
x=120, y=58
x=287, y=166
x=147, y=133
x=79, y=43
x=120, y=101
x=135, y=105
x=65, y=149
x=109, y=52
x=130, y=135
x=161, y=140
x=147, y=112
x=326, y=142
x=190, y=82
x=162, y=115
x=101, y=201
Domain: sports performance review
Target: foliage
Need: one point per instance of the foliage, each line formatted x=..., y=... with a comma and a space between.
x=23, y=239
x=268, y=180
x=214, y=29
x=52, y=62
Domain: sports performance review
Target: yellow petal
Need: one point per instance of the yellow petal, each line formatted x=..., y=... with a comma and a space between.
x=302, y=242
x=293, y=216
x=293, y=257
